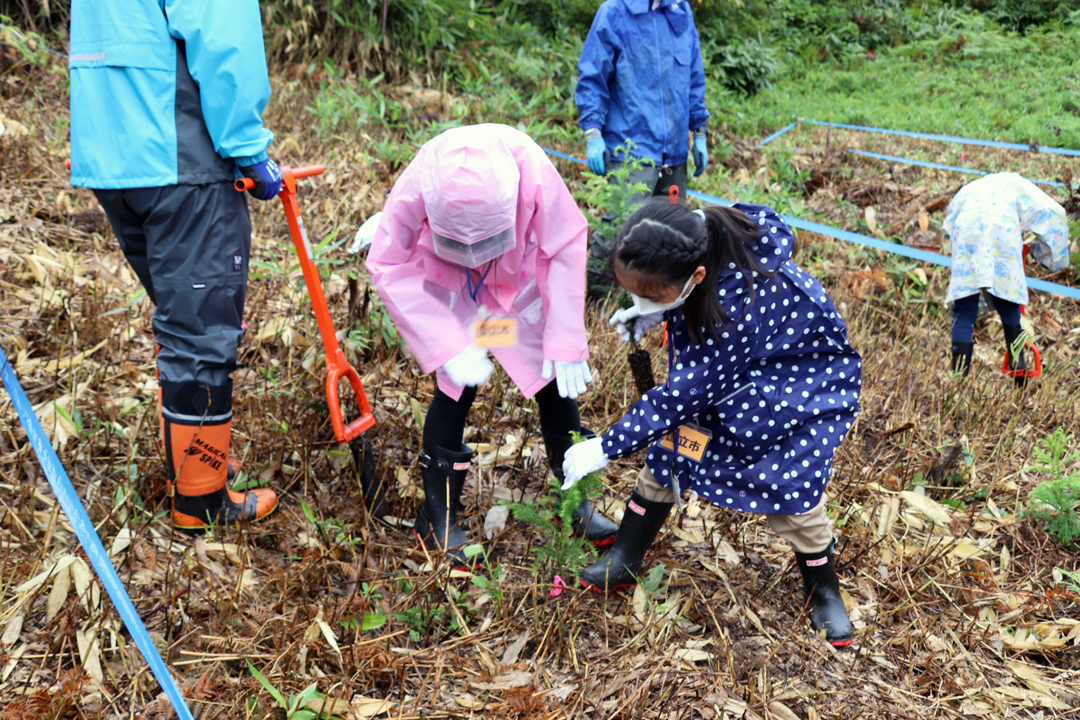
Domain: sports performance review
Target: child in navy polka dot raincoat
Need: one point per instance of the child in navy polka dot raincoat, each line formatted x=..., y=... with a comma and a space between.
x=762, y=387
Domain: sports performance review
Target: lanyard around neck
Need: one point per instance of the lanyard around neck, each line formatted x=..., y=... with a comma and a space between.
x=475, y=292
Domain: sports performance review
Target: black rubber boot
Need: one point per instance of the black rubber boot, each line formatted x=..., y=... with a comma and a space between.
x=823, y=598
x=961, y=357
x=437, y=523
x=621, y=566
x=588, y=523
x=1012, y=333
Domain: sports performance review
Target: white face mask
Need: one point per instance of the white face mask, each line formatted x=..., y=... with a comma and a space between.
x=648, y=307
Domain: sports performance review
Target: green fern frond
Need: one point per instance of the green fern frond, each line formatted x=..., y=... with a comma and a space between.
x=1073, y=582
x=1056, y=502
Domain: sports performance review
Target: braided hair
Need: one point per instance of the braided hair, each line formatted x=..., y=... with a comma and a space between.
x=665, y=243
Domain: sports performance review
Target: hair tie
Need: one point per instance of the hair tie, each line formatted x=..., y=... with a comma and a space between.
x=700, y=213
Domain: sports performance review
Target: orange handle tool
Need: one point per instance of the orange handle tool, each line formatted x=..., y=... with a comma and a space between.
x=337, y=365
x=1026, y=372
x=301, y=172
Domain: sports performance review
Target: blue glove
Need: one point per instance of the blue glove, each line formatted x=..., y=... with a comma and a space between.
x=594, y=155
x=701, y=155
x=267, y=177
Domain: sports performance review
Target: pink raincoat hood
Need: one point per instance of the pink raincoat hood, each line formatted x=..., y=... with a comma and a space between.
x=540, y=282
x=469, y=183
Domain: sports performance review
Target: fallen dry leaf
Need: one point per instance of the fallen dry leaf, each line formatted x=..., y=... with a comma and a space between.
x=362, y=707
x=506, y=681
x=933, y=510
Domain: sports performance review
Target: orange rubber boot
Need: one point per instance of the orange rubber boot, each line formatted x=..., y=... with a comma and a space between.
x=235, y=465
x=197, y=461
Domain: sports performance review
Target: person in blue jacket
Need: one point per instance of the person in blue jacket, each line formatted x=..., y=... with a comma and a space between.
x=166, y=110
x=762, y=387
x=641, y=79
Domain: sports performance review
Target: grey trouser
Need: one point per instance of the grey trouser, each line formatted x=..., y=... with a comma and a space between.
x=189, y=246
x=810, y=532
x=659, y=181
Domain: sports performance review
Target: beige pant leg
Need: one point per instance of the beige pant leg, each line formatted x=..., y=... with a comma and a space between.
x=808, y=533
x=650, y=489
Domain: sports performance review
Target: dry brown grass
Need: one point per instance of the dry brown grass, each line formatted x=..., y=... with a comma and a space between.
x=956, y=610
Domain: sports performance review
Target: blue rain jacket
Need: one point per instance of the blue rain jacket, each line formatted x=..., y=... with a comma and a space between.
x=641, y=78
x=165, y=92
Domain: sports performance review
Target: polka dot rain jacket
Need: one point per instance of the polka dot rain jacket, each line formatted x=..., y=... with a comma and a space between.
x=777, y=389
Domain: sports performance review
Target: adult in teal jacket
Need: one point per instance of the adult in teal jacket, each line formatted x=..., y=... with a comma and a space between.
x=166, y=105
x=641, y=78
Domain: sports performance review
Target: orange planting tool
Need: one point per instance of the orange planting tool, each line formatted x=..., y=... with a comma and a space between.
x=1027, y=372
x=337, y=365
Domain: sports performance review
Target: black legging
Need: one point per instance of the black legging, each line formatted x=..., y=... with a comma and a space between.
x=444, y=425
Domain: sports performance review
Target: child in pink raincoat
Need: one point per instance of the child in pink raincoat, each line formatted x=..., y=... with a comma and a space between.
x=481, y=249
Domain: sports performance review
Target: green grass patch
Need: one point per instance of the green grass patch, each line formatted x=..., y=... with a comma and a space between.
x=984, y=84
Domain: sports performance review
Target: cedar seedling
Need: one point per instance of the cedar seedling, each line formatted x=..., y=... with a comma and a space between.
x=1056, y=502
x=552, y=515
x=615, y=195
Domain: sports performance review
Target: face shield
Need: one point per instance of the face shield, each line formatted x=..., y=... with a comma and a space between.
x=475, y=254
x=469, y=182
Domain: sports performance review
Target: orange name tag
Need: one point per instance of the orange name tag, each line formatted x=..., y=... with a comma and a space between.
x=692, y=442
x=493, y=333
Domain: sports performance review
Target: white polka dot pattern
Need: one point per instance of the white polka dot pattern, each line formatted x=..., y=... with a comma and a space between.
x=773, y=442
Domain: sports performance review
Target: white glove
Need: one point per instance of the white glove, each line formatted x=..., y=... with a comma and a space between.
x=582, y=459
x=470, y=366
x=643, y=323
x=366, y=234
x=570, y=377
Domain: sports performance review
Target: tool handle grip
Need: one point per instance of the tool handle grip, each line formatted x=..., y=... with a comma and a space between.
x=337, y=369
x=301, y=172
x=1028, y=372
x=307, y=171
x=357, y=428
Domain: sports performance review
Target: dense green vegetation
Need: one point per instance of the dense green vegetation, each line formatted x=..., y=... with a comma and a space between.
x=1002, y=69
x=976, y=80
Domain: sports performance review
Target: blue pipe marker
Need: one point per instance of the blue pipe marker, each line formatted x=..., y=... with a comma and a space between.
x=939, y=166
x=927, y=163
x=950, y=138
x=909, y=161
x=84, y=529
x=777, y=134
x=890, y=247
x=18, y=32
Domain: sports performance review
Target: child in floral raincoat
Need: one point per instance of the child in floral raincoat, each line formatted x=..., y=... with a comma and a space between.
x=986, y=222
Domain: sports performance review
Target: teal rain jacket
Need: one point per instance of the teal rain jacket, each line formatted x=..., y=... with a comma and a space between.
x=641, y=78
x=166, y=92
